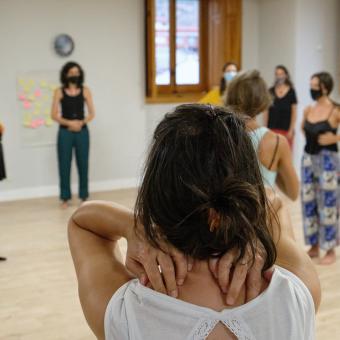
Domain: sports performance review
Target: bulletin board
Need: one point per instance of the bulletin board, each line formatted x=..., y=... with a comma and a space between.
x=34, y=97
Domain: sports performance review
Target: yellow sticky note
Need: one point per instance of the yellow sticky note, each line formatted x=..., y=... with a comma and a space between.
x=22, y=82
x=48, y=121
x=27, y=89
x=45, y=98
x=47, y=112
x=31, y=98
x=27, y=119
x=38, y=105
x=43, y=83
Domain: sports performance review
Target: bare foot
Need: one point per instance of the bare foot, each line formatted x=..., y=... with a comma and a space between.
x=314, y=251
x=64, y=205
x=329, y=258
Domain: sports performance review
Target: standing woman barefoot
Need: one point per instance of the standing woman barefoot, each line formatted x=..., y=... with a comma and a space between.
x=319, y=170
x=68, y=110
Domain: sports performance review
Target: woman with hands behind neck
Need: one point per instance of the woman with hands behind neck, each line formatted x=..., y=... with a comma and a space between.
x=201, y=198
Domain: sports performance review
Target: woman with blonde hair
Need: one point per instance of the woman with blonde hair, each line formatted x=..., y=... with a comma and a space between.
x=248, y=94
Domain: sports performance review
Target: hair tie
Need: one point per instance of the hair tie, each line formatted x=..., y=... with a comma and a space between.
x=211, y=112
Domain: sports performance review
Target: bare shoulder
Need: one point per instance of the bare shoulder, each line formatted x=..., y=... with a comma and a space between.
x=270, y=139
x=58, y=93
x=307, y=110
x=86, y=91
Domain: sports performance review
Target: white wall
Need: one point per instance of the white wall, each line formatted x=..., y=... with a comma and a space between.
x=276, y=36
x=317, y=49
x=109, y=42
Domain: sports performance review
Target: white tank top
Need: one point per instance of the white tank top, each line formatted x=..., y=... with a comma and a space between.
x=284, y=311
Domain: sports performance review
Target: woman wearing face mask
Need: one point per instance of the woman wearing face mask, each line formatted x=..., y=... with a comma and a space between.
x=68, y=110
x=215, y=96
x=320, y=168
x=281, y=116
x=229, y=72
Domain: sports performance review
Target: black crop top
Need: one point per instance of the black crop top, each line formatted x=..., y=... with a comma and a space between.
x=72, y=107
x=313, y=131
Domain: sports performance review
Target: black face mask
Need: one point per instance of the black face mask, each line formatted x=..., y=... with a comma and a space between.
x=74, y=80
x=315, y=94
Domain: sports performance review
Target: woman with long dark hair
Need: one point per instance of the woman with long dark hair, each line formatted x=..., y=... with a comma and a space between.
x=202, y=194
x=320, y=170
x=281, y=115
x=68, y=109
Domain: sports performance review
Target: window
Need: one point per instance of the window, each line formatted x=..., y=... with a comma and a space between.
x=178, y=42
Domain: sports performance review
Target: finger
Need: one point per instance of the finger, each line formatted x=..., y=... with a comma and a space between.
x=238, y=280
x=223, y=271
x=168, y=273
x=254, y=278
x=213, y=262
x=154, y=275
x=181, y=264
x=137, y=270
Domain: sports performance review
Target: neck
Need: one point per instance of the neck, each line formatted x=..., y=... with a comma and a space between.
x=323, y=100
x=252, y=124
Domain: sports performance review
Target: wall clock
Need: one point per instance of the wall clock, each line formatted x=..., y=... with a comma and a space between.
x=63, y=45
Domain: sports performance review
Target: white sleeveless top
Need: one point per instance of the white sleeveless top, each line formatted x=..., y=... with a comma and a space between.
x=284, y=311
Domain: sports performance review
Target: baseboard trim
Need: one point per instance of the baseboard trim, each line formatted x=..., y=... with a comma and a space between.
x=53, y=190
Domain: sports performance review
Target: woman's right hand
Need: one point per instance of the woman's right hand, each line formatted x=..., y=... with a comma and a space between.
x=74, y=125
x=145, y=262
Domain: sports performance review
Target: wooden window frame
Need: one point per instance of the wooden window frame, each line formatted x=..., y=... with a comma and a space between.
x=217, y=43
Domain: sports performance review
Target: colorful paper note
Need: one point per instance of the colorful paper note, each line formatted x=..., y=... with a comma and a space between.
x=37, y=122
x=37, y=93
x=43, y=83
x=27, y=105
x=22, y=97
x=49, y=121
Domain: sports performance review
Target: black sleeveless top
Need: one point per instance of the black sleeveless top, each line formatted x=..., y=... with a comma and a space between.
x=280, y=112
x=313, y=131
x=72, y=107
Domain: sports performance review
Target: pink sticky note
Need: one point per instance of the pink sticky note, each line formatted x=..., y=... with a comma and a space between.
x=22, y=97
x=37, y=93
x=37, y=122
x=27, y=104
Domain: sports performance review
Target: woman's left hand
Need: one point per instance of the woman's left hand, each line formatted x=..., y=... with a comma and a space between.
x=244, y=272
x=327, y=138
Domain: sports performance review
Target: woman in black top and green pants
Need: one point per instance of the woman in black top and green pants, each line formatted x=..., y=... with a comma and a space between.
x=68, y=110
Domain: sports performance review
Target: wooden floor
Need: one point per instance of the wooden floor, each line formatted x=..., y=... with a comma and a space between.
x=38, y=291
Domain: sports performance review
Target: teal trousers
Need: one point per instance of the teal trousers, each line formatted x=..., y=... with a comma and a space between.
x=80, y=143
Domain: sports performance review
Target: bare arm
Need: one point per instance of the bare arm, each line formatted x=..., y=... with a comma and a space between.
x=96, y=257
x=305, y=114
x=93, y=233
x=90, y=105
x=287, y=179
x=293, y=120
x=293, y=258
x=55, y=113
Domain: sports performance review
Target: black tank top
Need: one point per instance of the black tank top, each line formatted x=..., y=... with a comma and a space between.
x=72, y=107
x=313, y=131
